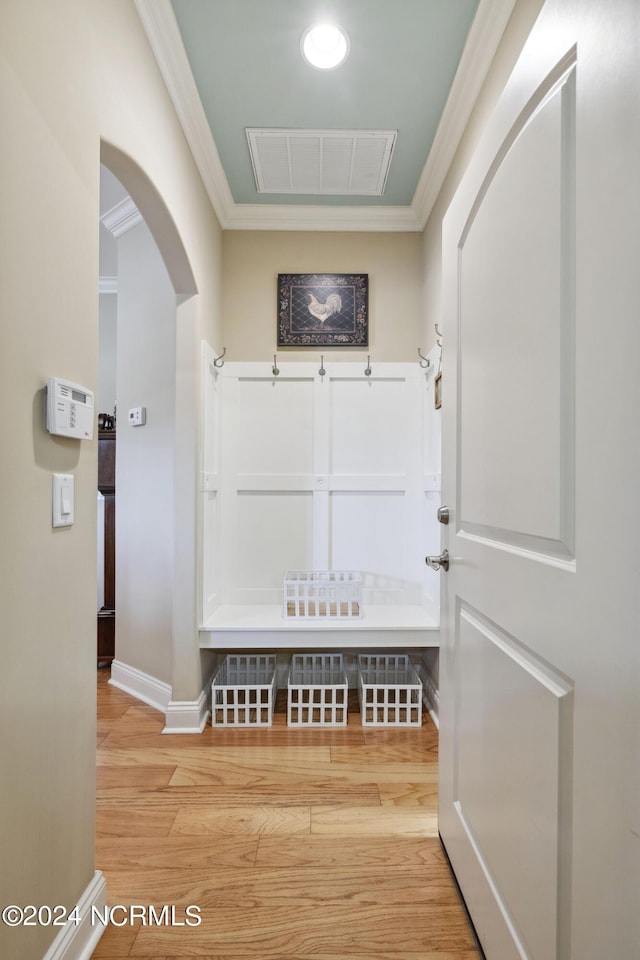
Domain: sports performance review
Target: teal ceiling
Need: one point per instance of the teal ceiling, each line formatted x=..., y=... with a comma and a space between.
x=246, y=62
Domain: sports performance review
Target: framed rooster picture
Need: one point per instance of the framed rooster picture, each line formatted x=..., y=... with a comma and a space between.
x=323, y=309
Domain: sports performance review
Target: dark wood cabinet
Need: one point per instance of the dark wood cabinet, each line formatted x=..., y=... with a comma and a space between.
x=107, y=487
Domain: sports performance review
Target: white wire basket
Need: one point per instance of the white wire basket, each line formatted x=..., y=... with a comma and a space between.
x=318, y=690
x=243, y=691
x=322, y=595
x=389, y=691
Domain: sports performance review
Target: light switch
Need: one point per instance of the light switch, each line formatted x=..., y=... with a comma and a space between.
x=62, y=497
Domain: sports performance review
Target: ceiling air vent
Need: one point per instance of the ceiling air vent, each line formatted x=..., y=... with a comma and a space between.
x=340, y=162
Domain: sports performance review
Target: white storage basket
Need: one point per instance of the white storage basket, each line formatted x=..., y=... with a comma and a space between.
x=318, y=691
x=243, y=691
x=389, y=691
x=322, y=594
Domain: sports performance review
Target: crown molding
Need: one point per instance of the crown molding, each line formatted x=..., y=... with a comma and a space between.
x=253, y=216
x=480, y=48
x=160, y=25
x=163, y=33
x=121, y=218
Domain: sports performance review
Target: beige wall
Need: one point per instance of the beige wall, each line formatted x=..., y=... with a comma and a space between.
x=71, y=72
x=517, y=30
x=253, y=260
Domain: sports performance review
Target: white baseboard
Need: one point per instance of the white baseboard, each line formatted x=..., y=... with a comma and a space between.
x=430, y=692
x=187, y=716
x=78, y=942
x=431, y=698
x=141, y=685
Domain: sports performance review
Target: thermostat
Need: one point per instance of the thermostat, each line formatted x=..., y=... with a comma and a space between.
x=137, y=416
x=69, y=409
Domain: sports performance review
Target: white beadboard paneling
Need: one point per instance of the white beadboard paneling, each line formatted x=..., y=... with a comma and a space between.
x=360, y=482
x=321, y=473
x=272, y=421
x=370, y=425
x=273, y=533
x=209, y=553
x=209, y=502
x=369, y=533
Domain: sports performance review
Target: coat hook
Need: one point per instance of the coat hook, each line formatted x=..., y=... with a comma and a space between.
x=438, y=335
x=218, y=361
x=274, y=369
x=424, y=361
x=367, y=372
x=322, y=370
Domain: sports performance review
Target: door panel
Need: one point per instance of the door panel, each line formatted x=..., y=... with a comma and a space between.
x=514, y=316
x=512, y=747
x=540, y=660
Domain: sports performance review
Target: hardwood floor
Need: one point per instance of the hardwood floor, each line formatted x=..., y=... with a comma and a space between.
x=319, y=844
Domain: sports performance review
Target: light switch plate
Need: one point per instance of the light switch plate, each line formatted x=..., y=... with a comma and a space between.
x=62, y=499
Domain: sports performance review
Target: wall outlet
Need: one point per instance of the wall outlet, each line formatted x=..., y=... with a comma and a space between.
x=137, y=416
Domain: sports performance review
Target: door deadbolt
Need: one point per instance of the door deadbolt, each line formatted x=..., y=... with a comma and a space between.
x=443, y=515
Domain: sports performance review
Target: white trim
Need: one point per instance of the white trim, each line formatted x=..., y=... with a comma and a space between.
x=485, y=34
x=187, y=716
x=270, y=216
x=78, y=942
x=430, y=692
x=431, y=698
x=121, y=218
x=156, y=693
x=191, y=716
x=108, y=285
x=161, y=27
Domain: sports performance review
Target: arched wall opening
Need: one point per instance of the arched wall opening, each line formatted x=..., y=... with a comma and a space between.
x=155, y=214
x=157, y=655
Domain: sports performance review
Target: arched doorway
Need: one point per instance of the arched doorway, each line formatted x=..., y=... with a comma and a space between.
x=171, y=675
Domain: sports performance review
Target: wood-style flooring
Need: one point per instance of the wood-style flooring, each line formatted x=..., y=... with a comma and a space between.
x=296, y=844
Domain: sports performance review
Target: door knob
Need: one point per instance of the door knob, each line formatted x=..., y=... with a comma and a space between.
x=436, y=562
x=443, y=515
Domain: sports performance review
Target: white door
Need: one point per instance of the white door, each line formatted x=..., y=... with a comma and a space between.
x=539, y=678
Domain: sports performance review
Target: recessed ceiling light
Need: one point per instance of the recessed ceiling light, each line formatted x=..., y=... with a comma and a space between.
x=325, y=46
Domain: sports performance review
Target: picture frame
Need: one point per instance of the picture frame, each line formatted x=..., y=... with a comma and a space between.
x=437, y=390
x=323, y=310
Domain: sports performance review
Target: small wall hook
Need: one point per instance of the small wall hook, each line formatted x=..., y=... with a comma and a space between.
x=367, y=371
x=424, y=361
x=322, y=370
x=438, y=334
x=274, y=369
x=218, y=361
